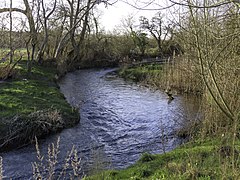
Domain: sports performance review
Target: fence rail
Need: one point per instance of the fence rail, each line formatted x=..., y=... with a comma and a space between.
x=148, y=61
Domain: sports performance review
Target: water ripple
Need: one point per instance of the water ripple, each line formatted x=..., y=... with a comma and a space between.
x=119, y=121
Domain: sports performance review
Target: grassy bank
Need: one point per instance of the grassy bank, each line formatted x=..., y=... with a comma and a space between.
x=142, y=74
x=196, y=160
x=178, y=75
x=213, y=152
x=32, y=106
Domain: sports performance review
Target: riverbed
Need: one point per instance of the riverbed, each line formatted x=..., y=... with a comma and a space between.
x=119, y=121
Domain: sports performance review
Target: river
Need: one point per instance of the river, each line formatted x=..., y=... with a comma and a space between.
x=119, y=121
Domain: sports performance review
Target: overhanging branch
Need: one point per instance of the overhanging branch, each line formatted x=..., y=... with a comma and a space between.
x=145, y=7
x=2, y=10
x=187, y=4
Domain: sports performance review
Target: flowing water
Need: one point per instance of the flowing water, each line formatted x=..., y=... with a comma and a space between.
x=119, y=121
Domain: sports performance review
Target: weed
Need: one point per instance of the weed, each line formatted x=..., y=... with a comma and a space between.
x=47, y=168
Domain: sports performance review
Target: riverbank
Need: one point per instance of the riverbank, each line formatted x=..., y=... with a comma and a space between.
x=206, y=156
x=145, y=74
x=206, y=159
x=32, y=106
x=176, y=76
x=161, y=77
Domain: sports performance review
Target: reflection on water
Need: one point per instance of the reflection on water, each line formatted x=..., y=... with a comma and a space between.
x=119, y=121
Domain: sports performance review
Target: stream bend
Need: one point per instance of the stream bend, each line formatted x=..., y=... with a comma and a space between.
x=119, y=121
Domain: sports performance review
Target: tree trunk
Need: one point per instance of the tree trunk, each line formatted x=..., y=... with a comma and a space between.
x=46, y=35
x=33, y=31
x=10, y=33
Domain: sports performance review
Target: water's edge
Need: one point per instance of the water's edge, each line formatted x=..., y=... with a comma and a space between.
x=119, y=121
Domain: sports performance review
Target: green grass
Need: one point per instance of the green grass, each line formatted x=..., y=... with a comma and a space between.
x=17, y=53
x=140, y=73
x=191, y=161
x=24, y=94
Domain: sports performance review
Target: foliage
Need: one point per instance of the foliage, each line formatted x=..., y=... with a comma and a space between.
x=210, y=65
x=211, y=41
x=107, y=47
x=209, y=37
x=158, y=30
x=49, y=167
x=208, y=159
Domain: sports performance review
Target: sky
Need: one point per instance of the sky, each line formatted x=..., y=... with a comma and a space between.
x=112, y=15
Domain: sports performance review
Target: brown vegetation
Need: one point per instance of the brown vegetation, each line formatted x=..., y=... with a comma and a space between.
x=23, y=129
x=45, y=168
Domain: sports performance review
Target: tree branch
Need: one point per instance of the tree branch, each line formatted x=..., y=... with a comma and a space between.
x=2, y=10
x=145, y=7
x=210, y=6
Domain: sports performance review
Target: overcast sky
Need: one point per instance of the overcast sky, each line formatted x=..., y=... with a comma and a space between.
x=112, y=15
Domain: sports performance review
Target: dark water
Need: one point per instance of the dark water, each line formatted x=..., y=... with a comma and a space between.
x=119, y=121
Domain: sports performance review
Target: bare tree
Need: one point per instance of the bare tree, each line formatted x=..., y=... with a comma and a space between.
x=157, y=29
x=33, y=32
x=203, y=5
x=10, y=33
x=44, y=22
x=214, y=32
x=77, y=16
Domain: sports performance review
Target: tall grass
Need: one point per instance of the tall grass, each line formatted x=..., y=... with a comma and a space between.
x=51, y=168
x=179, y=74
